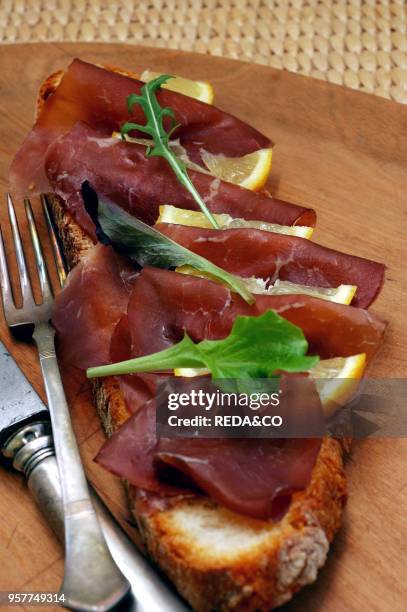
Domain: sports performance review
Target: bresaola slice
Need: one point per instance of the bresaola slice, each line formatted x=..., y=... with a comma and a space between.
x=255, y=477
x=90, y=306
x=136, y=389
x=252, y=252
x=164, y=305
x=90, y=320
x=97, y=96
x=121, y=172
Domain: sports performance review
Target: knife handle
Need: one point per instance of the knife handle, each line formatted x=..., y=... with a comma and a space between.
x=32, y=451
x=45, y=487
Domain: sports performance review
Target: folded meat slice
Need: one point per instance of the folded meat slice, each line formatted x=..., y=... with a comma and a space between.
x=136, y=389
x=90, y=306
x=252, y=252
x=90, y=319
x=121, y=172
x=164, y=305
x=97, y=96
x=256, y=477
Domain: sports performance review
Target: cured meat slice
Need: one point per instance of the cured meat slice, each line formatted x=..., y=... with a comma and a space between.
x=253, y=477
x=136, y=389
x=252, y=252
x=129, y=450
x=121, y=172
x=94, y=299
x=97, y=96
x=164, y=305
x=90, y=318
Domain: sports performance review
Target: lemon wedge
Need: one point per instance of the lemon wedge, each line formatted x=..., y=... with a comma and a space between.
x=341, y=295
x=336, y=379
x=190, y=372
x=258, y=286
x=250, y=171
x=200, y=90
x=180, y=216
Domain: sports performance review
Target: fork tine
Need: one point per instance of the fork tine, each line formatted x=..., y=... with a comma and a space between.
x=39, y=257
x=24, y=278
x=58, y=257
x=6, y=291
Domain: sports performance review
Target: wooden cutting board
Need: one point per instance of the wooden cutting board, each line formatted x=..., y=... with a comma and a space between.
x=342, y=152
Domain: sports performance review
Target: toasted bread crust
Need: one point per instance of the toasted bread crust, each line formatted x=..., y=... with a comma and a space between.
x=47, y=88
x=53, y=80
x=265, y=563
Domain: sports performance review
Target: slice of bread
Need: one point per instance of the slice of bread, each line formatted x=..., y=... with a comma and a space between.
x=219, y=560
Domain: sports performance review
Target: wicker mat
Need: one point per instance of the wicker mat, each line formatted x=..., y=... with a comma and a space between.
x=360, y=44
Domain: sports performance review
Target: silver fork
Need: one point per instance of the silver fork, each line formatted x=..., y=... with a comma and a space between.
x=92, y=580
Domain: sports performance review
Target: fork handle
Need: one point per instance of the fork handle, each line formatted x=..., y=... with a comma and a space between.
x=92, y=580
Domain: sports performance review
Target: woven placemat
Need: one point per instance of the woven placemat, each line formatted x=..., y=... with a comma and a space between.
x=360, y=44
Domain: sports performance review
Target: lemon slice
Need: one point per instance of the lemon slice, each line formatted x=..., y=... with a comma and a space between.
x=336, y=380
x=250, y=171
x=341, y=295
x=258, y=286
x=200, y=90
x=192, y=218
x=190, y=372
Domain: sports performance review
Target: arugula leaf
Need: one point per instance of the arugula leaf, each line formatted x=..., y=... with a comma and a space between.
x=154, y=127
x=146, y=245
x=257, y=347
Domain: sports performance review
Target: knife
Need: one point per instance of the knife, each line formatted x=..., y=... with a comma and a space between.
x=26, y=441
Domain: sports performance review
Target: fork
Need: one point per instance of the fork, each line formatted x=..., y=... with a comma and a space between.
x=92, y=581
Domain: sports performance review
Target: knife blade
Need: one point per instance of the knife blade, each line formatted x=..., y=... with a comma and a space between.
x=19, y=403
x=26, y=439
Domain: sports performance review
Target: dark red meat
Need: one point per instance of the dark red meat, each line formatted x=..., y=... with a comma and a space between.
x=98, y=97
x=255, y=477
x=163, y=305
x=252, y=252
x=121, y=172
x=94, y=299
